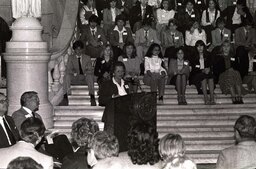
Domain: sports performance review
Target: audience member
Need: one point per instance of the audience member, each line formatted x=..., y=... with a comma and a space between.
x=112, y=88
x=171, y=39
x=109, y=17
x=9, y=133
x=31, y=132
x=24, y=163
x=209, y=17
x=219, y=35
x=202, y=73
x=29, y=105
x=194, y=34
x=104, y=65
x=250, y=78
x=80, y=70
x=243, y=154
x=172, y=151
x=186, y=15
x=132, y=66
x=225, y=71
x=82, y=132
x=125, y=6
x=178, y=73
x=155, y=71
x=200, y=6
x=88, y=9
x=144, y=37
x=120, y=35
x=93, y=37
x=164, y=14
x=140, y=12
x=100, y=6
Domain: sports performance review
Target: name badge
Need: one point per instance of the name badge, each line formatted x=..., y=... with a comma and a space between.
x=193, y=16
x=226, y=35
x=179, y=4
x=99, y=36
x=234, y=3
x=126, y=86
x=125, y=59
x=186, y=63
x=232, y=59
x=197, y=66
x=152, y=40
x=254, y=60
x=103, y=61
x=176, y=38
x=199, y=2
x=125, y=33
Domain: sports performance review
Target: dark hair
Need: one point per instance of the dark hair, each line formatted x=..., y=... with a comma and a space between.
x=108, y=3
x=31, y=129
x=191, y=24
x=173, y=21
x=169, y=5
x=201, y=43
x=247, y=22
x=220, y=20
x=143, y=144
x=118, y=64
x=134, y=50
x=93, y=18
x=120, y=17
x=232, y=50
x=189, y=1
x=215, y=2
x=77, y=44
x=151, y=48
x=245, y=125
x=26, y=97
x=183, y=50
x=24, y=163
x=147, y=22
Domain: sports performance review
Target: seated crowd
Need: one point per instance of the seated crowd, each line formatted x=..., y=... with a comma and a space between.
x=205, y=42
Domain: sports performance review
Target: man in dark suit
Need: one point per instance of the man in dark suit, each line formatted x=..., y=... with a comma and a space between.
x=93, y=38
x=124, y=6
x=9, y=133
x=29, y=105
x=139, y=13
x=236, y=15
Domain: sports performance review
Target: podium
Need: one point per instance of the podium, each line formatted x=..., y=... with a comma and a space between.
x=133, y=108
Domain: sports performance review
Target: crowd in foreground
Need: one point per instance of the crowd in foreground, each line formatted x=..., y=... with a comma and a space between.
x=205, y=42
x=25, y=143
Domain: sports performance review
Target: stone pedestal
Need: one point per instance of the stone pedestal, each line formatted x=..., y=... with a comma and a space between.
x=27, y=66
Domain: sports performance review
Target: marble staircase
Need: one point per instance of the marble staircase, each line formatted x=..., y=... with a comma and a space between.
x=206, y=129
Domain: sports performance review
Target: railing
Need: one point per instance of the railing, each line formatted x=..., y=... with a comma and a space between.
x=61, y=50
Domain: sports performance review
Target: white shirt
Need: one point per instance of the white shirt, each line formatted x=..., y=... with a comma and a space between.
x=155, y=3
x=2, y=124
x=28, y=111
x=201, y=61
x=211, y=17
x=190, y=13
x=236, y=19
x=164, y=16
x=95, y=30
x=153, y=64
x=113, y=13
x=120, y=34
x=121, y=89
x=191, y=39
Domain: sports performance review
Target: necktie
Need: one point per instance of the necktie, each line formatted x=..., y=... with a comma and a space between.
x=173, y=39
x=33, y=114
x=9, y=132
x=146, y=35
x=93, y=33
x=246, y=35
x=221, y=34
x=80, y=66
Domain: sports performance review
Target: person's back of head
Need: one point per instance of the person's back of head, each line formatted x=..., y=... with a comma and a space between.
x=24, y=163
x=245, y=128
x=143, y=143
x=30, y=100
x=32, y=130
x=172, y=150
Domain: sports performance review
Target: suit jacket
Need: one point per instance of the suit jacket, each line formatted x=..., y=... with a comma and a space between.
x=136, y=14
x=238, y=156
x=4, y=141
x=216, y=37
x=73, y=65
x=19, y=117
x=107, y=16
x=22, y=148
x=173, y=67
x=140, y=37
x=91, y=40
x=240, y=37
x=167, y=39
x=102, y=66
x=229, y=12
x=126, y=7
x=114, y=36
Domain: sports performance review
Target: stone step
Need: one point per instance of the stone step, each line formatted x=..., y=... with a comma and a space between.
x=206, y=157
x=197, y=100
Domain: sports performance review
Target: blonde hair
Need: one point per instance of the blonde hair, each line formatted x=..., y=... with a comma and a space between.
x=172, y=149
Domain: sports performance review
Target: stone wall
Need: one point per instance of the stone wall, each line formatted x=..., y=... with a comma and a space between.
x=5, y=10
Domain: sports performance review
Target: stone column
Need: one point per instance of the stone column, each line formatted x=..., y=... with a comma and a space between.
x=27, y=60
